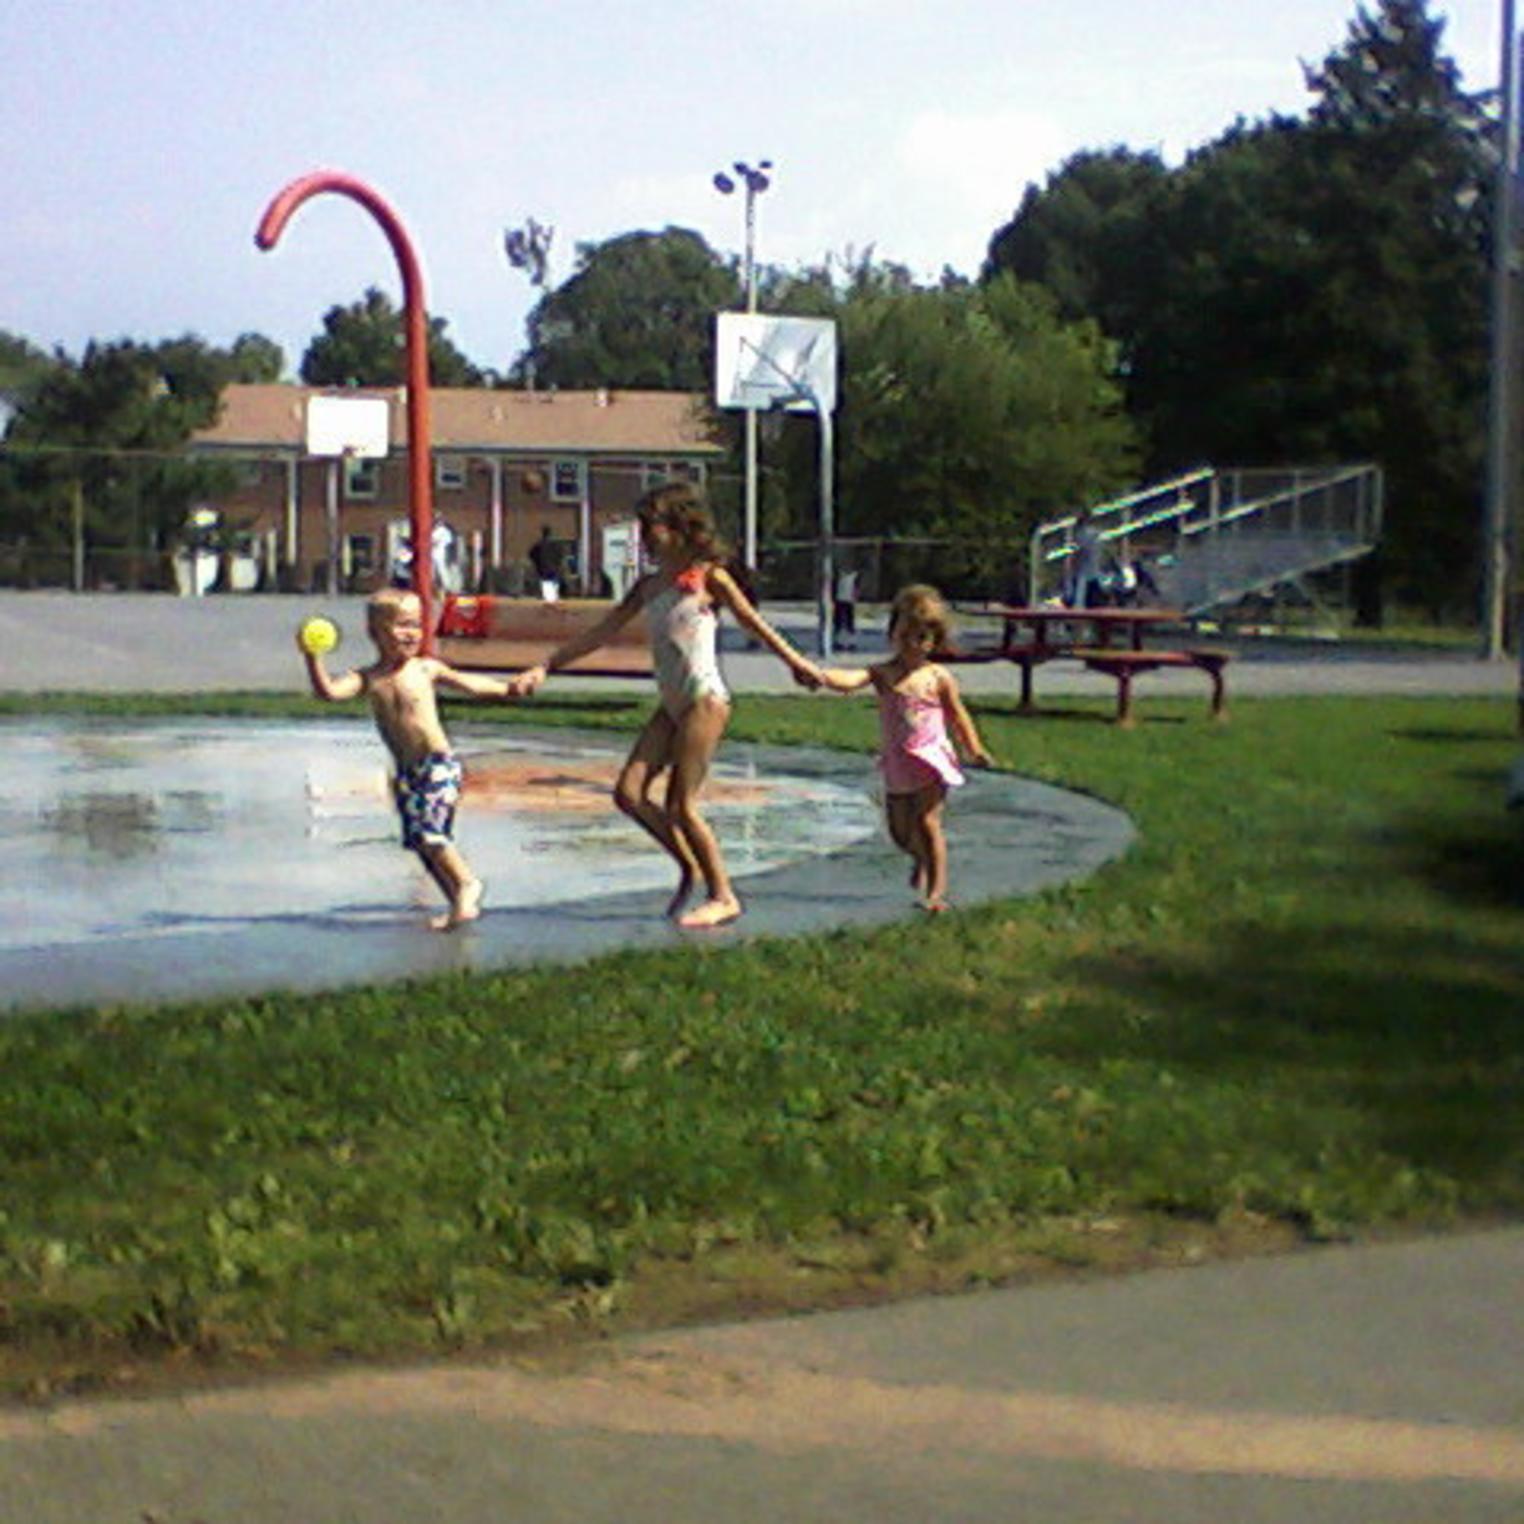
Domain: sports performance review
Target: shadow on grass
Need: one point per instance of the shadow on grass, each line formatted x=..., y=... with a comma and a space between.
x=1479, y=865
x=1445, y=736
x=1420, y=1031
x=981, y=704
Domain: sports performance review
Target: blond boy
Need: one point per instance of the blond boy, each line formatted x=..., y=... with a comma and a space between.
x=400, y=685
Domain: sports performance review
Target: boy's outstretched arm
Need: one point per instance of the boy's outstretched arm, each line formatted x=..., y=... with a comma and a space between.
x=332, y=690
x=477, y=684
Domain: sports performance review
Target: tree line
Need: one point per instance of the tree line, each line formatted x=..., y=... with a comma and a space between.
x=1301, y=290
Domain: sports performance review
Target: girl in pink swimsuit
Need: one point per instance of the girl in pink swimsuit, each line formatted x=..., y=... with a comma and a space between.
x=681, y=600
x=918, y=702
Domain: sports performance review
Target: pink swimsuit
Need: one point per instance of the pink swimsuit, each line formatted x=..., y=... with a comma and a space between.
x=916, y=753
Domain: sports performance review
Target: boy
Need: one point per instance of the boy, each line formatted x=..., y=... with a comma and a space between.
x=400, y=686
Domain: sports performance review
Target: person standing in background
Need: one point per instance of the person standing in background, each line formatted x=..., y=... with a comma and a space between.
x=545, y=558
x=844, y=608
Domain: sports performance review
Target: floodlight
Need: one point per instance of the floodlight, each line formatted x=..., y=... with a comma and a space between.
x=724, y=184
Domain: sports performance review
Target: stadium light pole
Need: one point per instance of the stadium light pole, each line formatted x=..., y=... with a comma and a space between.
x=1501, y=457
x=754, y=181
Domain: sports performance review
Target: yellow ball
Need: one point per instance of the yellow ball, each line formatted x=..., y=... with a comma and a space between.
x=318, y=636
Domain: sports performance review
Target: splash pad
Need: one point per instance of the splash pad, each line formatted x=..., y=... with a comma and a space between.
x=177, y=859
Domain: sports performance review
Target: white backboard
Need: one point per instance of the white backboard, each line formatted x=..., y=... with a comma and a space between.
x=354, y=426
x=762, y=362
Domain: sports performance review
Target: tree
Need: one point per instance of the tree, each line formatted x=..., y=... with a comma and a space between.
x=362, y=345
x=1390, y=70
x=637, y=313
x=528, y=249
x=1082, y=235
x=965, y=413
x=111, y=428
x=1304, y=290
x=23, y=367
x=257, y=358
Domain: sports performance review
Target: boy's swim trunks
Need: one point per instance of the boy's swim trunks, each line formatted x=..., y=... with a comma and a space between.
x=427, y=792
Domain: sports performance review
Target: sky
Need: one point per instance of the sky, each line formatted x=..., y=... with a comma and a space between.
x=142, y=139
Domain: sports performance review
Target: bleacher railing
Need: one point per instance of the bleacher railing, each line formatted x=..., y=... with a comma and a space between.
x=1211, y=536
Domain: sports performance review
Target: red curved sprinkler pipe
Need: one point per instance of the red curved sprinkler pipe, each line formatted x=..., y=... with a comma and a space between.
x=416, y=334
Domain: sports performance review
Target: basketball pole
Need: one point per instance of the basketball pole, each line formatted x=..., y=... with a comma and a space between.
x=416, y=339
x=1501, y=397
x=827, y=526
x=749, y=519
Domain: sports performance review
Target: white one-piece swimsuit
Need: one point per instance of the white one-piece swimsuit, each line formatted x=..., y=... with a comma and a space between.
x=683, y=625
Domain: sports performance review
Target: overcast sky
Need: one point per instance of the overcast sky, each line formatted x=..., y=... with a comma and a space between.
x=141, y=139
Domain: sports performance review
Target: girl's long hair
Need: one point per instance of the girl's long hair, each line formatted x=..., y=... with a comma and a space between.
x=680, y=507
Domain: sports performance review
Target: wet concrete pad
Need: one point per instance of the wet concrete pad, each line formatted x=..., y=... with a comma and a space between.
x=176, y=859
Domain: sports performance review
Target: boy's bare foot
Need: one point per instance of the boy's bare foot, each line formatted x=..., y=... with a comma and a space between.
x=467, y=908
x=680, y=898
x=711, y=913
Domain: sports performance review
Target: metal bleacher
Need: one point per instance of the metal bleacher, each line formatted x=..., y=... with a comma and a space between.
x=1211, y=538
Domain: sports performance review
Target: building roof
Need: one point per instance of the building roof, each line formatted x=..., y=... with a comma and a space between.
x=273, y=416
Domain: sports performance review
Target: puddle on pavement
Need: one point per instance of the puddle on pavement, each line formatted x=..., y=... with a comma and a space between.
x=113, y=829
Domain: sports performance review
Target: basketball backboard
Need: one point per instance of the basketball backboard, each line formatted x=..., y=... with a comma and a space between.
x=357, y=427
x=762, y=362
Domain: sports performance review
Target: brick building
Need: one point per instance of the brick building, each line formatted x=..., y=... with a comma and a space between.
x=506, y=463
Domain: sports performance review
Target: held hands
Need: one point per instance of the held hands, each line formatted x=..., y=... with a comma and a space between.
x=980, y=758
x=809, y=676
x=526, y=683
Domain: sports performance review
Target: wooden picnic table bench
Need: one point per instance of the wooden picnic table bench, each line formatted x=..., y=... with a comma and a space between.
x=1052, y=638
x=495, y=634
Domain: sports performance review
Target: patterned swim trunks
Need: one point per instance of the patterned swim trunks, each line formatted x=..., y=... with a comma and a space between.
x=427, y=792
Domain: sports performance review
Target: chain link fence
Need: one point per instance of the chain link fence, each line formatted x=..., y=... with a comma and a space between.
x=964, y=570
x=109, y=520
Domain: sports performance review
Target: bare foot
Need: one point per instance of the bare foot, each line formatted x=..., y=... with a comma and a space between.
x=934, y=907
x=680, y=898
x=467, y=908
x=711, y=913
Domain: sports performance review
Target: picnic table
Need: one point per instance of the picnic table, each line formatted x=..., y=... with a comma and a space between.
x=1116, y=641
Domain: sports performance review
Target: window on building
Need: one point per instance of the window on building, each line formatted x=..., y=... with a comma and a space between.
x=654, y=472
x=450, y=472
x=362, y=479
x=568, y=480
x=359, y=555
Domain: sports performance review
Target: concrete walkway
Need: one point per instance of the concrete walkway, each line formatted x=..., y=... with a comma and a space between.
x=1337, y=1386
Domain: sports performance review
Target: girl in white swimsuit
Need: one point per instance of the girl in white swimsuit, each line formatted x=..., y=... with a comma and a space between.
x=684, y=624
x=681, y=600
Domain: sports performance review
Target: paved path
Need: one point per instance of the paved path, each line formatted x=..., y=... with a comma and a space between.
x=113, y=642
x=1338, y=1386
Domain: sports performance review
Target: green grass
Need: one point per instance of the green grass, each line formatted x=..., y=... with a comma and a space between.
x=1292, y=1012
